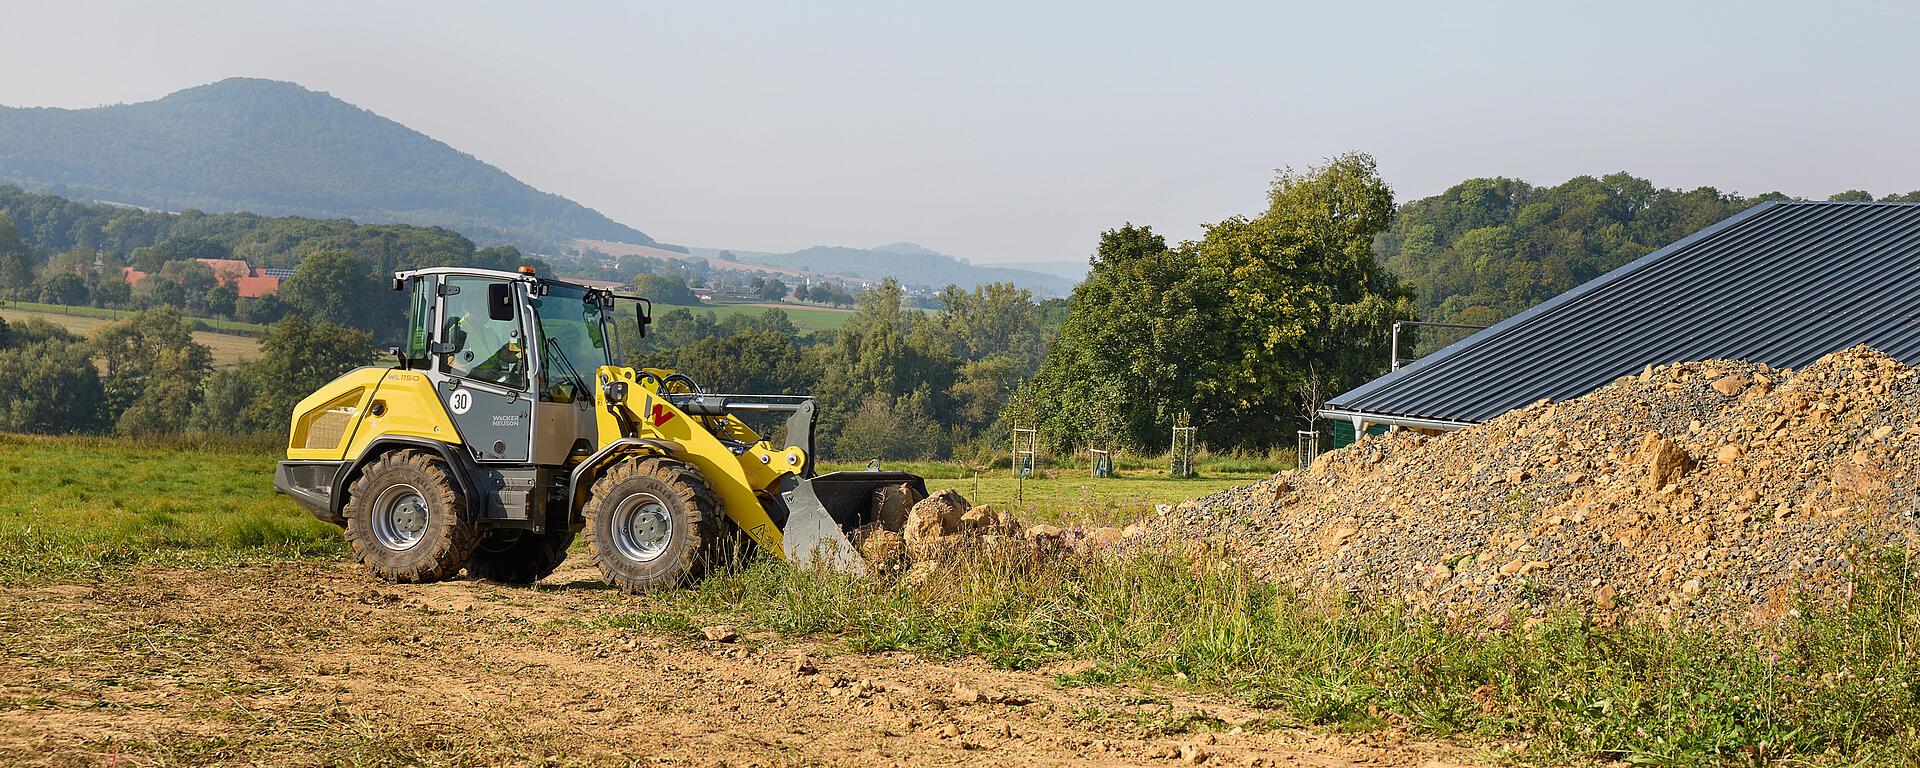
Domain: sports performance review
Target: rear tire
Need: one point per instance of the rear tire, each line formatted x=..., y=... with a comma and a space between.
x=653, y=524
x=406, y=520
x=519, y=557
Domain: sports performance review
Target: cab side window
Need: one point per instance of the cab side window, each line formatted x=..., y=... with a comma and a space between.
x=419, y=321
x=483, y=338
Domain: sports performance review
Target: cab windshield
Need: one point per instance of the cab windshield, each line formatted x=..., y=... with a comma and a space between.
x=573, y=341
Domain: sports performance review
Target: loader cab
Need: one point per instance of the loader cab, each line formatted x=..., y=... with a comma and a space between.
x=511, y=356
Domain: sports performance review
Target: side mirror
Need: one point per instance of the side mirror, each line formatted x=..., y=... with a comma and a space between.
x=643, y=312
x=500, y=302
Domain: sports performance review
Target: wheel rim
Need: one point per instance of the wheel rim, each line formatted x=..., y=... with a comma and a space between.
x=642, y=528
x=400, y=517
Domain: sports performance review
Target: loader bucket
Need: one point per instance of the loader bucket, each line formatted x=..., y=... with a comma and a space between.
x=824, y=510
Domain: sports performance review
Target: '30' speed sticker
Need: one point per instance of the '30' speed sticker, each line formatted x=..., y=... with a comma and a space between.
x=460, y=401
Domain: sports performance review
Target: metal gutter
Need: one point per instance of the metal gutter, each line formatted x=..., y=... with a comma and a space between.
x=1396, y=421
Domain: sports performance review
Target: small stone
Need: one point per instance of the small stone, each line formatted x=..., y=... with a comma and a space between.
x=803, y=665
x=965, y=695
x=1194, y=754
x=1729, y=454
x=1730, y=386
x=1044, y=535
x=949, y=731
x=720, y=633
x=1604, y=598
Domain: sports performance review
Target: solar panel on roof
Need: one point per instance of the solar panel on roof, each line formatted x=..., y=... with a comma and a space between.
x=1781, y=283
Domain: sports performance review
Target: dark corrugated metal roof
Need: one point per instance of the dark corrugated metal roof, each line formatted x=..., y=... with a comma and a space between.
x=1781, y=283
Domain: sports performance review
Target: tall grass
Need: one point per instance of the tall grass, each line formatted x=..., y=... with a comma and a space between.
x=76, y=506
x=1834, y=685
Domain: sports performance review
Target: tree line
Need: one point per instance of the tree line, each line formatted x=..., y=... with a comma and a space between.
x=1240, y=334
x=1486, y=249
x=145, y=375
x=62, y=252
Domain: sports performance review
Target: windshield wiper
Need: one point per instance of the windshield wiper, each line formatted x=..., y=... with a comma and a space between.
x=579, y=384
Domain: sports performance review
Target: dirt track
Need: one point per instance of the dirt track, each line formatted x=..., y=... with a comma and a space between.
x=315, y=664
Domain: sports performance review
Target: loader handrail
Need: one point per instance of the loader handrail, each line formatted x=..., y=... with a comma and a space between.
x=801, y=410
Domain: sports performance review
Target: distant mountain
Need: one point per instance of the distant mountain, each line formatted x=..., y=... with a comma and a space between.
x=276, y=148
x=910, y=263
x=1075, y=270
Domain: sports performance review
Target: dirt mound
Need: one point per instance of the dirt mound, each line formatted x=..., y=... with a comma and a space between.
x=1714, y=492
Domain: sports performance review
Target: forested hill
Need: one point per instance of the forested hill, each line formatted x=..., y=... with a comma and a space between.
x=909, y=263
x=1488, y=248
x=276, y=148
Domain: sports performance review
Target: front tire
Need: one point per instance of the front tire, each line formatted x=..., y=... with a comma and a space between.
x=519, y=557
x=407, y=522
x=653, y=524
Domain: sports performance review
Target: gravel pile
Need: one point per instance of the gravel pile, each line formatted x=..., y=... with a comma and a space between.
x=1715, y=492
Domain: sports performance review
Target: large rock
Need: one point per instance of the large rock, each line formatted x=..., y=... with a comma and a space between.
x=933, y=519
x=1666, y=462
x=981, y=519
x=923, y=532
x=882, y=548
x=891, y=504
x=947, y=506
x=1102, y=538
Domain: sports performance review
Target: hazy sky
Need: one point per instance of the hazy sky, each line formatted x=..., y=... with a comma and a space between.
x=1019, y=131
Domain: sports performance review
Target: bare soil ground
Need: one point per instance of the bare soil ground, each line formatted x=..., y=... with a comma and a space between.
x=314, y=663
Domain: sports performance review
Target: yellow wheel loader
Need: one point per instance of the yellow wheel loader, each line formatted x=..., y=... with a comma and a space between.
x=508, y=426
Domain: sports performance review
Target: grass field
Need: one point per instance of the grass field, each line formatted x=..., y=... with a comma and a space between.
x=80, y=505
x=1837, y=685
x=1071, y=495
x=234, y=326
x=227, y=348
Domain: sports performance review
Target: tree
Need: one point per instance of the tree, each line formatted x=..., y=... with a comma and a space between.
x=666, y=289
x=878, y=352
x=50, y=388
x=773, y=290
x=882, y=427
x=265, y=310
x=1852, y=196
x=1232, y=332
x=156, y=292
x=219, y=300
x=1488, y=248
x=226, y=405
x=10, y=241
x=113, y=292
x=16, y=274
x=152, y=372
x=65, y=288
x=296, y=358
x=333, y=287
